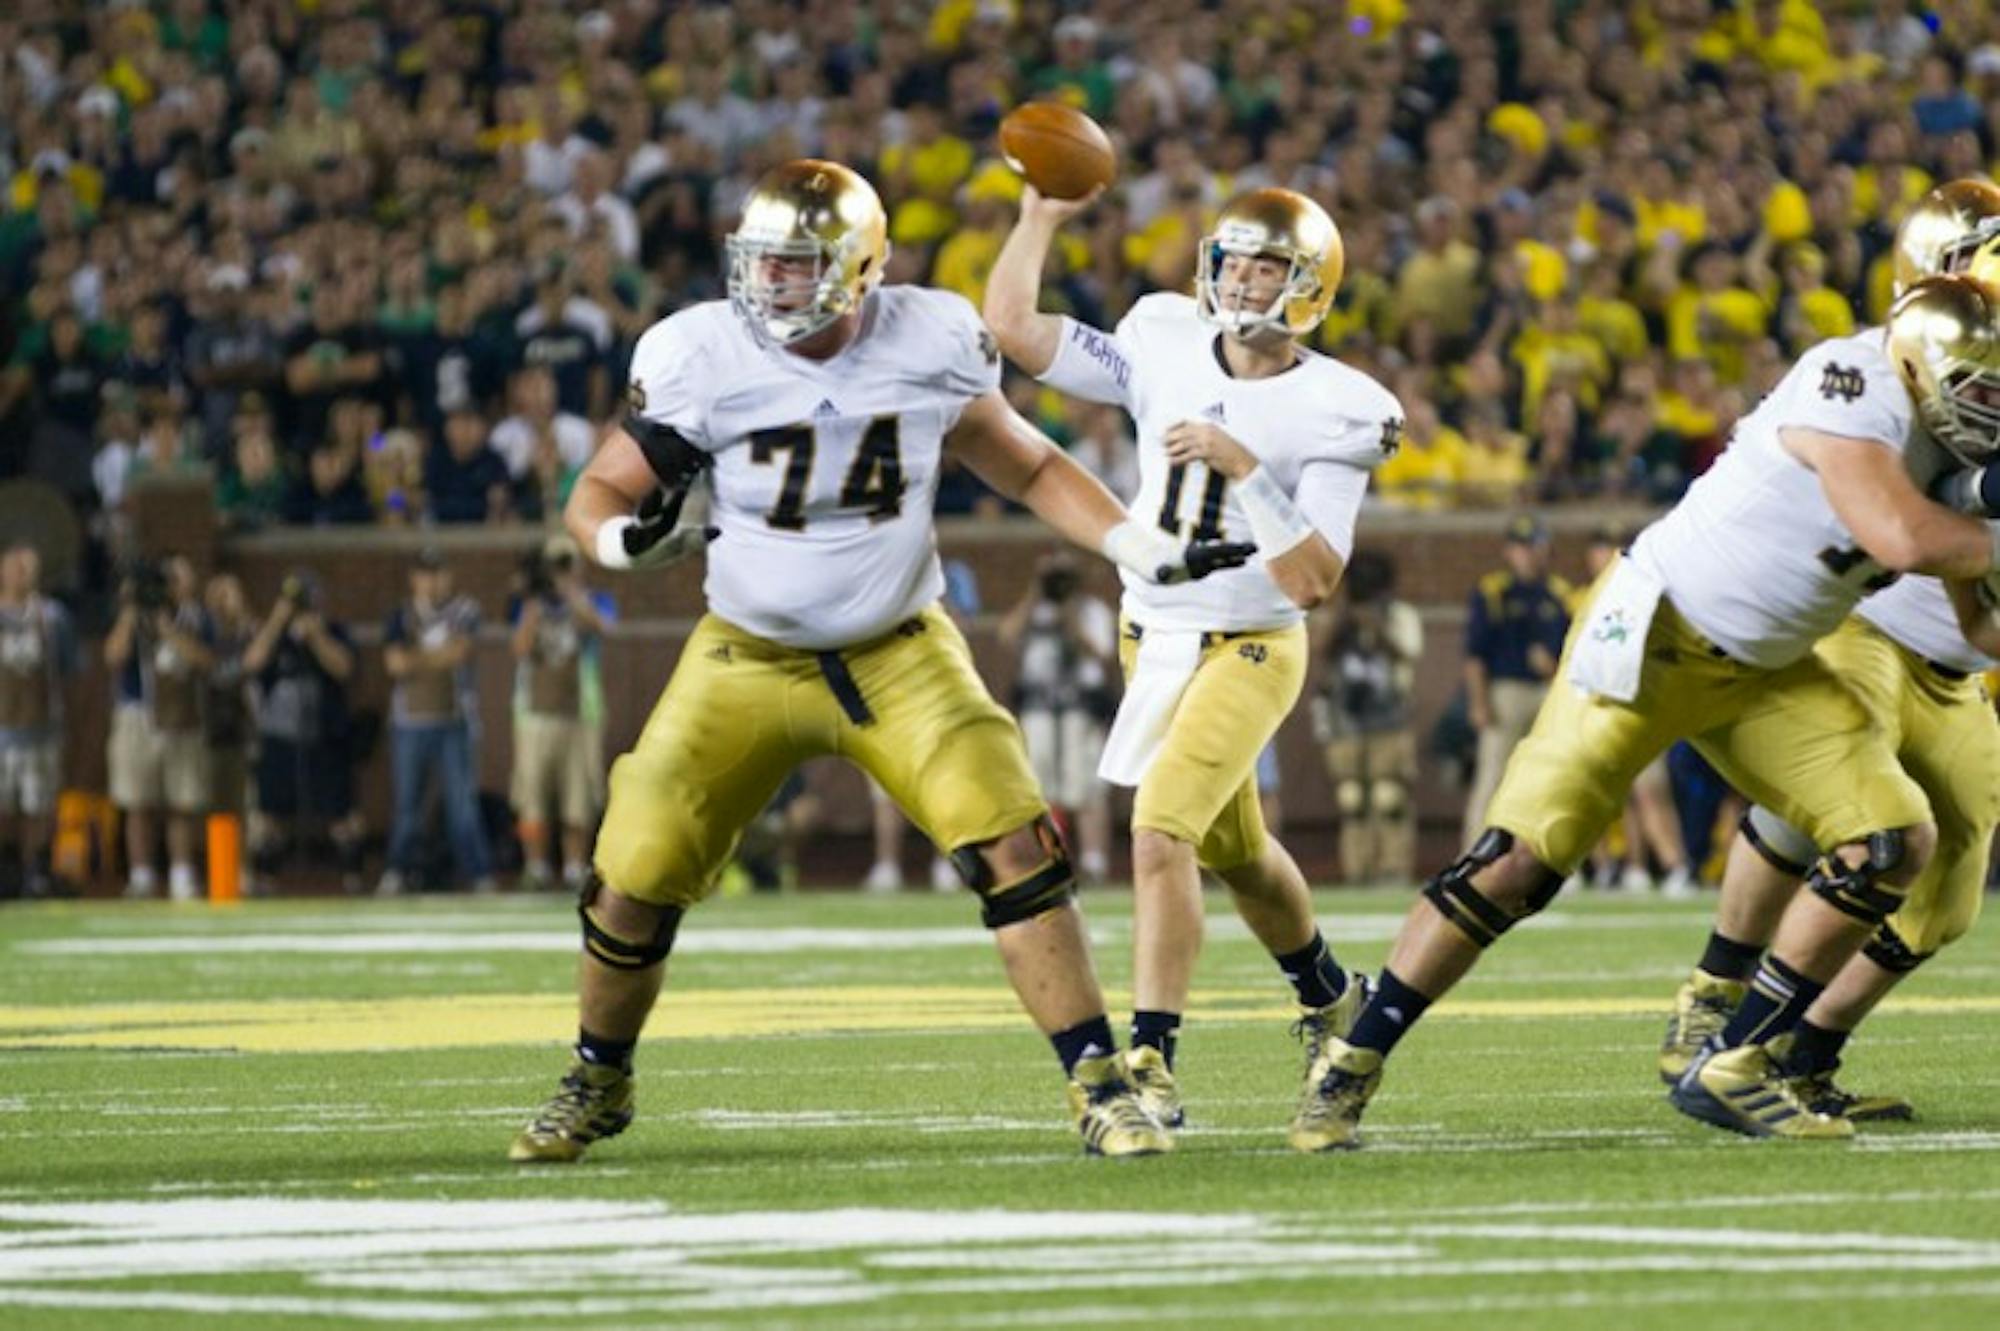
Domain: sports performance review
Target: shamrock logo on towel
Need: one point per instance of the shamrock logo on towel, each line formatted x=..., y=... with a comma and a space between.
x=1611, y=627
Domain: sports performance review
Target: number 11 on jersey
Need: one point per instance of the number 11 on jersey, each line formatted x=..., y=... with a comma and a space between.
x=1208, y=523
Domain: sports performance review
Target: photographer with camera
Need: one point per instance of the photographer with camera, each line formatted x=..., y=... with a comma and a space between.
x=1362, y=719
x=559, y=626
x=37, y=663
x=300, y=663
x=159, y=652
x=428, y=645
x=1066, y=639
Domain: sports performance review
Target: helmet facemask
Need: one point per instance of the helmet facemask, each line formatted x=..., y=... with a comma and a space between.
x=784, y=312
x=1964, y=413
x=1227, y=310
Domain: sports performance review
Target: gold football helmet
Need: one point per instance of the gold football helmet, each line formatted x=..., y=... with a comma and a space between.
x=1280, y=224
x=1944, y=336
x=1943, y=231
x=805, y=212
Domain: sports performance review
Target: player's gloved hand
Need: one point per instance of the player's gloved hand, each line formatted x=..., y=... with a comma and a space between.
x=671, y=455
x=1202, y=558
x=648, y=539
x=1159, y=558
x=1971, y=490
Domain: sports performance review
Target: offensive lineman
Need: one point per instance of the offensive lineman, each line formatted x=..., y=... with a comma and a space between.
x=820, y=404
x=1910, y=653
x=1241, y=431
x=1705, y=632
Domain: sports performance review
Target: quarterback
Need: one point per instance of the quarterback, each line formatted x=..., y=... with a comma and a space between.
x=819, y=404
x=1242, y=434
x=1705, y=632
x=1911, y=654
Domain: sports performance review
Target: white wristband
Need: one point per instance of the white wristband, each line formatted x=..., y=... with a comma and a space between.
x=1276, y=524
x=611, y=543
x=1145, y=551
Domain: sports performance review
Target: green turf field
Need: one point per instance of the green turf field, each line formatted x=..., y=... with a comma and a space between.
x=296, y=1115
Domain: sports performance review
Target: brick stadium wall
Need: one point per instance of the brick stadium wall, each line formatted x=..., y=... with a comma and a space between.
x=365, y=573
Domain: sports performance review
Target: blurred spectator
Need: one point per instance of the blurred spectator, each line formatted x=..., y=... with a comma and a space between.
x=330, y=493
x=428, y=644
x=38, y=658
x=226, y=707
x=329, y=358
x=252, y=490
x=1064, y=639
x=1514, y=631
x=1363, y=719
x=559, y=626
x=300, y=663
x=464, y=479
x=544, y=449
x=392, y=473
x=159, y=651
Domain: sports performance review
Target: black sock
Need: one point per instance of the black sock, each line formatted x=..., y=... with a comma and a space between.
x=1727, y=959
x=1814, y=1049
x=1157, y=1030
x=1314, y=973
x=1389, y=1015
x=604, y=1053
x=1088, y=1039
x=1777, y=999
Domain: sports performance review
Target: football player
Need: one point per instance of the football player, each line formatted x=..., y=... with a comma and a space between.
x=1910, y=657
x=819, y=405
x=1243, y=435
x=1705, y=632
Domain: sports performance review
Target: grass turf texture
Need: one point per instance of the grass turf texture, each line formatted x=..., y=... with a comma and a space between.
x=295, y=1115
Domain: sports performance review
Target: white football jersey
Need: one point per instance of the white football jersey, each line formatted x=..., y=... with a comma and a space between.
x=1753, y=555
x=1917, y=613
x=825, y=471
x=1320, y=428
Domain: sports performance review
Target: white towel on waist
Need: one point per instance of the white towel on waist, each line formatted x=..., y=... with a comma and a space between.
x=1609, y=652
x=1166, y=662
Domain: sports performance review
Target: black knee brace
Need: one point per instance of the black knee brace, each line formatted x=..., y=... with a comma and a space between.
x=1857, y=890
x=1476, y=915
x=1042, y=889
x=1888, y=950
x=624, y=954
x=1779, y=857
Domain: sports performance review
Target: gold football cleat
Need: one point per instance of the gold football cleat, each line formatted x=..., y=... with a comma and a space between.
x=594, y=1102
x=1159, y=1094
x=1108, y=1114
x=1744, y=1090
x=1702, y=1007
x=1339, y=1082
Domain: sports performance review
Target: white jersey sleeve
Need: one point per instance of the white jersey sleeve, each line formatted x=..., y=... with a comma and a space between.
x=969, y=365
x=1917, y=612
x=1834, y=390
x=1366, y=428
x=1095, y=365
x=669, y=368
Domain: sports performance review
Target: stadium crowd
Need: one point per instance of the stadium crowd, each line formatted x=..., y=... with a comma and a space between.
x=384, y=263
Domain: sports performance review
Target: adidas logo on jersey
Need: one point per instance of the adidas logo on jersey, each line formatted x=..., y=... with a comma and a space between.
x=1215, y=412
x=825, y=409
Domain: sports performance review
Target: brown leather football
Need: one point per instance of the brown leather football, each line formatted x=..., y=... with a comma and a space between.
x=1062, y=152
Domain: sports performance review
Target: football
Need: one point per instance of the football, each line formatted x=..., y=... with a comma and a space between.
x=1061, y=151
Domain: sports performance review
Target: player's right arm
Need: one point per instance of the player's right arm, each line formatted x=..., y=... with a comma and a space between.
x=1031, y=337
x=1869, y=487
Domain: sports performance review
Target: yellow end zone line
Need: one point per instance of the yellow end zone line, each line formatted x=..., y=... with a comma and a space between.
x=445, y=1021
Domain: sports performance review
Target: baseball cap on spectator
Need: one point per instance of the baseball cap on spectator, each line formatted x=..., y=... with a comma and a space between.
x=1520, y=127
x=1613, y=204
x=1984, y=62
x=430, y=559
x=594, y=26
x=251, y=139
x=1527, y=529
x=228, y=277
x=50, y=162
x=1077, y=28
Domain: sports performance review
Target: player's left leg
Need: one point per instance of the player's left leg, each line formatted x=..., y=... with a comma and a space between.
x=921, y=723
x=1766, y=862
x=1812, y=753
x=1198, y=806
x=1951, y=746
